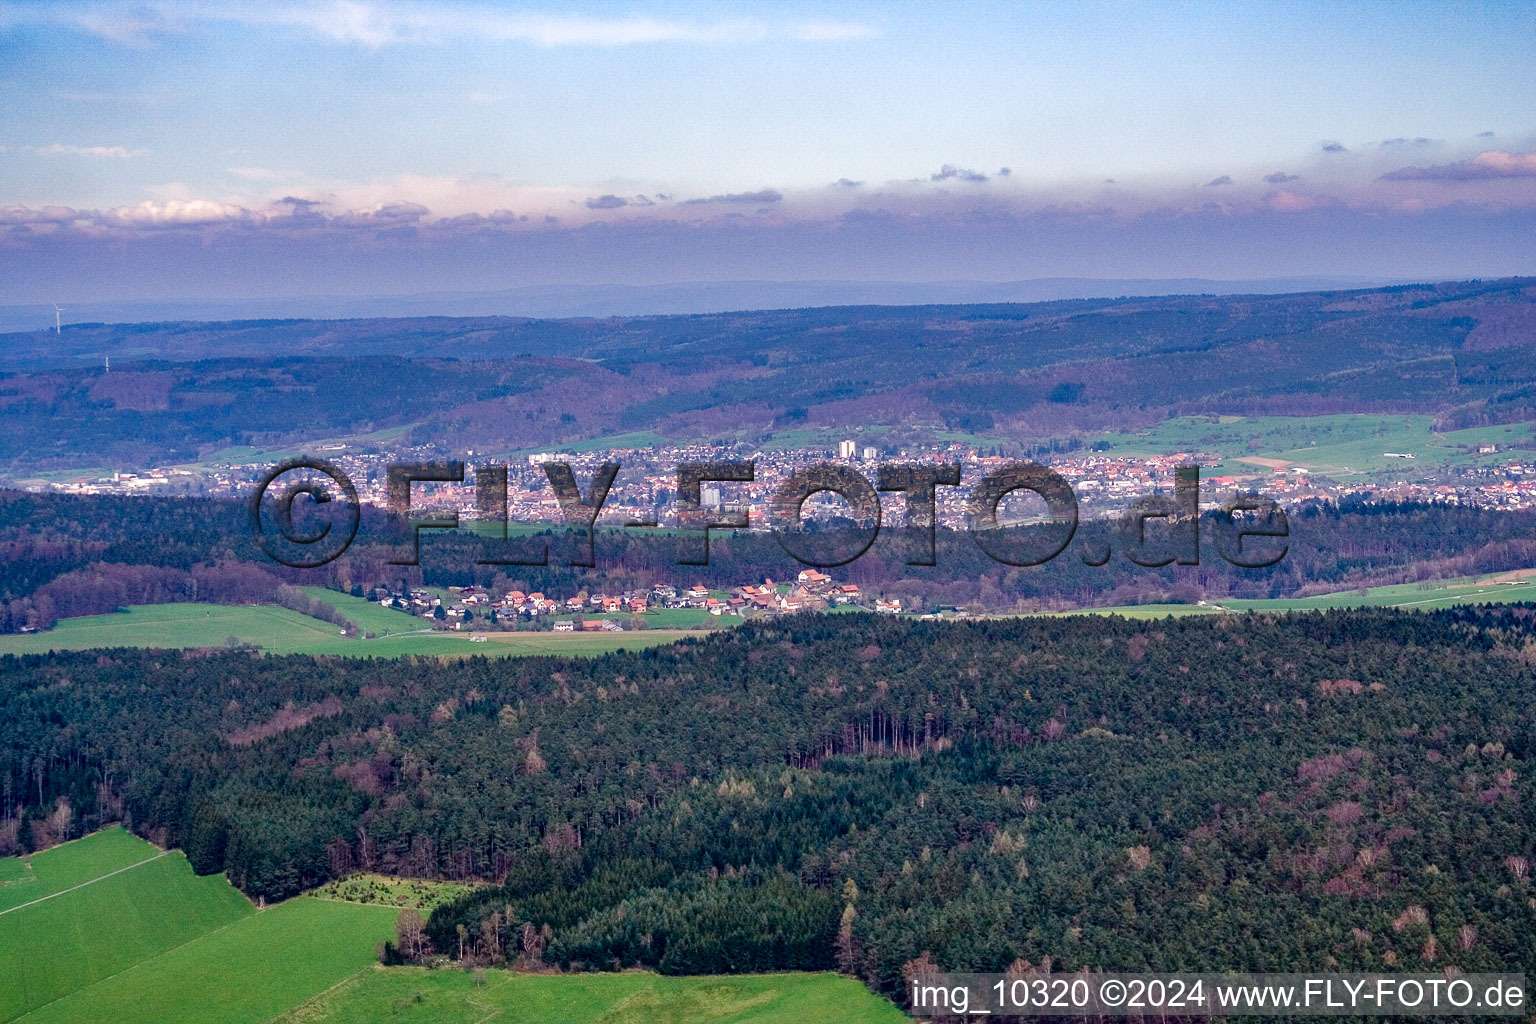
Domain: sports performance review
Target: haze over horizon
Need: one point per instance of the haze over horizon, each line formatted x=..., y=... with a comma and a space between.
x=556, y=301
x=158, y=151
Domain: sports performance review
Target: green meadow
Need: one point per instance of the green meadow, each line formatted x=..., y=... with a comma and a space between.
x=633, y=439
x=246, y=972
x=370, y=616
x=420, y=996
x=110, y=928
x=27, y=879
x=249, y=455
x=1336, y=446
x=102, y=917
x=276, y=630
x=1494, y=588
x=567, y=644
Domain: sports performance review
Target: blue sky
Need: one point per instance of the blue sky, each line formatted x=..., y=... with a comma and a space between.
x=1160, y=129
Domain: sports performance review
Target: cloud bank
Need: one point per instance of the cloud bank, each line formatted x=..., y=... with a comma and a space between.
x=1493, y=164
x=1354, y=212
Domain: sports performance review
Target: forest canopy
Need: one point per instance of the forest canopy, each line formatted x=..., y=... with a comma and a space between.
x=1257, y=792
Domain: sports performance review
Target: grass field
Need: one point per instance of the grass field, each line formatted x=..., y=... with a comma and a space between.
x=280, y=631
x=1494, y=588
x=667, y=618
x=273, y=629
x=110, y=928
x=1428, y=595
x=420, y=996
x=97, y=926
x=1341, y=446
x=23, y=880
x=244, y=973
x=370, y=616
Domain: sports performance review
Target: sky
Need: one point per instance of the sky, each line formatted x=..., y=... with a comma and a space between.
x=200, y=149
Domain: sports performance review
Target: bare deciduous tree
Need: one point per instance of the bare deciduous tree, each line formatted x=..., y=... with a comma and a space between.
x=411, y=933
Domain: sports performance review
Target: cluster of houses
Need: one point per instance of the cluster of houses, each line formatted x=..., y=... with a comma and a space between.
x=812, y=590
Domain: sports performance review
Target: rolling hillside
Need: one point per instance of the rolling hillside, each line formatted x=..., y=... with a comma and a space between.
x=111, y=928
x=1460, y=352
x=89, y=917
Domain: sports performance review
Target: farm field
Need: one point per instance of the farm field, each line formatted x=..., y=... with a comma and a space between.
x=667, y=618
x=248, y=455
x=273, y=629
x=500, y=997
x=279, y=631
x=1498, y=588
x=23, y=880
x=1337, y=446
x=370, y=616
x=1143, y=611
x=248, y=972
x=103, y=925
x=1494, y=588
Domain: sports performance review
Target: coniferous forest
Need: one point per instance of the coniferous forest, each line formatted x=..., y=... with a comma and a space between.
x=1347, y=789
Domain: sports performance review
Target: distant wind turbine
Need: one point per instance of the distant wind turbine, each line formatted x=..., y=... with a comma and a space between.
x=58, y=324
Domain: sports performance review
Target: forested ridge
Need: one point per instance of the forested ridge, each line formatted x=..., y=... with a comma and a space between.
x=1344, y=789
x=1457, y=350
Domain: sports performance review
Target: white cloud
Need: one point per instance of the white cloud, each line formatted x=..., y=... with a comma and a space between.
x=100, y=152
x=182, y=212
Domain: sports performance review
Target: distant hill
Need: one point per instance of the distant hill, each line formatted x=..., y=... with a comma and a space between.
x=1465, y=352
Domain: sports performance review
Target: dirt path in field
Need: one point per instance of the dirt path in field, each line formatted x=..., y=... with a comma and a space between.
x=82, y=885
